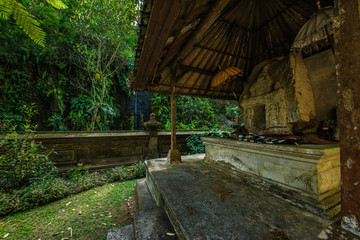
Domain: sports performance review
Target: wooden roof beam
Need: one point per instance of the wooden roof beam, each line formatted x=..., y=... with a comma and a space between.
x=236, y=25
x=164, y=14
x=222, y=52
x=214, y=13
x=198, y=70
x=287, y=7
x=197, y=90
x=197, y=34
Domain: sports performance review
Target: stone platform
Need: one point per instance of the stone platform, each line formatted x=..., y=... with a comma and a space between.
x=202, y=203
x=307, y=175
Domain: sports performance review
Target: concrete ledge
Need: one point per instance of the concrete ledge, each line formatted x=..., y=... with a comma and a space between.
x=308, y=176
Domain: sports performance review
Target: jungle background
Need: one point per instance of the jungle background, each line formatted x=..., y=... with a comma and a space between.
x=78, y=80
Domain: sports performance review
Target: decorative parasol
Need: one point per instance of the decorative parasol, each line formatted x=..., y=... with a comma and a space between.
x=316, y=33
x=225, y=74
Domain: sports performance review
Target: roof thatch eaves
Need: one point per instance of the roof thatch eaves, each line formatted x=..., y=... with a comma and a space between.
x=183, y=43
x=144, y=21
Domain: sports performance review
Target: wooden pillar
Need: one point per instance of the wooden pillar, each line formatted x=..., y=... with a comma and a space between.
x=173, y=119
x=174, y=156
x=347, y=56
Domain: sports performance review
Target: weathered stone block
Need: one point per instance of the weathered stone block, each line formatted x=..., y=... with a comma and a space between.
x=305, y=174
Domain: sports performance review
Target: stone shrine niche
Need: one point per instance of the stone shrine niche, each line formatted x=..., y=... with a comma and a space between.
x=321, y=69
x=278, y=98
x=259, y=117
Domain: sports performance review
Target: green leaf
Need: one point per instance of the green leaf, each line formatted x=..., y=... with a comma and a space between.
x=6, y=8
x=57, y=4
x=23, y=19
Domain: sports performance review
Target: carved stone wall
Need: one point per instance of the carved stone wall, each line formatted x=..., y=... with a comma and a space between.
x=278, y=97
x=321, y=68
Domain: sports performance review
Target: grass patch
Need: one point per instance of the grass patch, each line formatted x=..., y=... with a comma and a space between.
x=89, y=214
x=51, y=189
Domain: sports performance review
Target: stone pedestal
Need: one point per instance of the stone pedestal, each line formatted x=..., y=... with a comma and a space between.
x=174, y=156
x=153, y=126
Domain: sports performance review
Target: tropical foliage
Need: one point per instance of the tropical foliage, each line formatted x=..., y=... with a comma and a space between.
x=195, y=112
x=77, y=80
x=27, y=22
x=23, y=160
x=102, y=51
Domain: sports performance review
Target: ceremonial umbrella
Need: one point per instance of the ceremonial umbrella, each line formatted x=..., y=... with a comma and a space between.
x=316, y=33
x=225, y=74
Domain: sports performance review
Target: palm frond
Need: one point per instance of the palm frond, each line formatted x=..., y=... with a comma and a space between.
x=6, y=8
x=57, y=4
x=28, y=24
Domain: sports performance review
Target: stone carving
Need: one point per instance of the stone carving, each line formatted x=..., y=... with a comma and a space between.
x=152, y=126
x=273, y=119
x=248, y=117
x=283, y=88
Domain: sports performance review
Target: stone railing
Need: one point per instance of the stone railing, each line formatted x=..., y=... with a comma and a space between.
x=101, y=150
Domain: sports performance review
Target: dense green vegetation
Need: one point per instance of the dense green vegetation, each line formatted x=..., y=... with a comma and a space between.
x=28, y=24
x=195, y=112
x=77, y=81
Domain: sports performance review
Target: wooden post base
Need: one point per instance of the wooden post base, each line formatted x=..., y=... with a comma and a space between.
x=174, y=157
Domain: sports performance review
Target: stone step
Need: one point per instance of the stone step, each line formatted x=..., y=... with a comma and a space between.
x=143, y=198
x=204, y=204
x=153, y=224
x=123, y=233
x=150, y=222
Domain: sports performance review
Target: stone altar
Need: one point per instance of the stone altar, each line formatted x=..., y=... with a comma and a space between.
x=308, y=176
x=290, y=95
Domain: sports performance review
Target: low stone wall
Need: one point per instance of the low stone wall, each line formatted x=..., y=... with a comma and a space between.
x=101, y=150
x=307, y=175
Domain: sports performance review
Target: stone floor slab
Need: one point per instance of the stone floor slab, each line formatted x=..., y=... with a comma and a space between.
x=204, y=204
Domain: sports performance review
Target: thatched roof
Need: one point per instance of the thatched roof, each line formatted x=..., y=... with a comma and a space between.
x=185, y=41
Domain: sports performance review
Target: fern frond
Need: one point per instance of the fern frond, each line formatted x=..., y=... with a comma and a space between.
x=28, y=24
x=6, y=8
x=26, y=21
x=56, y=4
